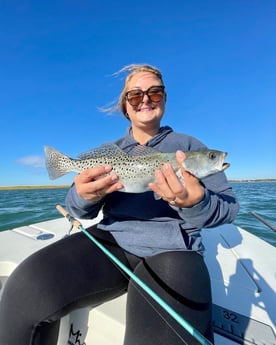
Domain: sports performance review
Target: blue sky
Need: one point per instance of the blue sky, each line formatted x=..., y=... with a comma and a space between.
x=57, y=58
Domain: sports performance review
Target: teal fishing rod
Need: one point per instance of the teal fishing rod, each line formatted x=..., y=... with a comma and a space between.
x=177, y=317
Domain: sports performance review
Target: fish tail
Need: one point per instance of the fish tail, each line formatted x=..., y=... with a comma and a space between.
x=57, y=163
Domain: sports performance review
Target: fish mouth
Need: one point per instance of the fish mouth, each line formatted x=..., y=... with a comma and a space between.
x=225, y=166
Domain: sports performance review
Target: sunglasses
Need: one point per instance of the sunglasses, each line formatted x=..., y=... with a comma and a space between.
x=154, y=93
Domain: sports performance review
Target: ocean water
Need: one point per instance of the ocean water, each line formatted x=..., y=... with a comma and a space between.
x=22, y=207
x=259, y=197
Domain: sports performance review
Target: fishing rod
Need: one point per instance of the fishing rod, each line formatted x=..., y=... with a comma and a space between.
x=177, y=317
x=272, y=227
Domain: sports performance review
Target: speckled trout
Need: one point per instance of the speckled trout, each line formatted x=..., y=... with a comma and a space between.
x=135, y=171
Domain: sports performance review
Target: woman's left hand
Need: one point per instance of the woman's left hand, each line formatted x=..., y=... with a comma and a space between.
x=186, y=192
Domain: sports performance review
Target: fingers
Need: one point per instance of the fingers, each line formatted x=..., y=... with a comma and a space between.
x=167, y=185
x=91, y=174
x=169, y=182
x=183, y=191
x=180, y=156
x=94, y=183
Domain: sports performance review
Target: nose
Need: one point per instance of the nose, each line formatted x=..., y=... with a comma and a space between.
x=147, y=98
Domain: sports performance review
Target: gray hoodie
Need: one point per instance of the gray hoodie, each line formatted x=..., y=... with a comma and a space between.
x=145, y=226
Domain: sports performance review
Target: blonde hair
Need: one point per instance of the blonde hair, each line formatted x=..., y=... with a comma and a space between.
x=132, y=70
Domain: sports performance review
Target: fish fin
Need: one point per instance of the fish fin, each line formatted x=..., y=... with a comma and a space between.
x=105, y=150
x=111, y=150
x=141, y=150
x=56, y=163
x=156, y=196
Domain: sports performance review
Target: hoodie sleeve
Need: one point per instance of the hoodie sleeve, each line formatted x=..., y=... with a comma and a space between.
x=79, y=207
x=219, y=205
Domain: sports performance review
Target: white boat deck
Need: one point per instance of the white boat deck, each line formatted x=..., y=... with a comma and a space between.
x=242, y=269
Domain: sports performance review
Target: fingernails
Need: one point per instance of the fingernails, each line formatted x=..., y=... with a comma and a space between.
x=180, y=154
x=158, y=172
x=166, y=166
x=120, y=186
x=114, y=177
x=107, y=168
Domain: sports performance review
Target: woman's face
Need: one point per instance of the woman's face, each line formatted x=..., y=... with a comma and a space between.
x=147, y=113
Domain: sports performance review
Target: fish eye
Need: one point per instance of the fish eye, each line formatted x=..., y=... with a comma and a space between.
x=212, y=155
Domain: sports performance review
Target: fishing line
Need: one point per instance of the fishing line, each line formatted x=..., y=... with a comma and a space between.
x=177, y=317
x=159, y=313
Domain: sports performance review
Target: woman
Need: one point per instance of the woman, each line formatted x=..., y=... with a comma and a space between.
x=159, y=239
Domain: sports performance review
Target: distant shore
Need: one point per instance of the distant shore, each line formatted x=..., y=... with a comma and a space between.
x=68, y=186
x=32, y=187
x=252, y=181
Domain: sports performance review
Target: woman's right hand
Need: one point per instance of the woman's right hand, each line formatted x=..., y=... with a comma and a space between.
x=93, y=184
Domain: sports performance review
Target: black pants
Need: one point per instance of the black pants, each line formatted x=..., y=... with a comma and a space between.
x=74, y=273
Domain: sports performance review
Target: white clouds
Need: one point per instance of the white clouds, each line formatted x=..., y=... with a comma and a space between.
x=36, y=162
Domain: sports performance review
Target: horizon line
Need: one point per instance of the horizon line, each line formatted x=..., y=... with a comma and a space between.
x=68, y=185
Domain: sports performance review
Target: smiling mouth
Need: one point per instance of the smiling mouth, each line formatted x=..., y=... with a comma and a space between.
x=147, y=109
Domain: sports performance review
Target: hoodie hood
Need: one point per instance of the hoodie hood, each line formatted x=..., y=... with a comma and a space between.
x=128, y=143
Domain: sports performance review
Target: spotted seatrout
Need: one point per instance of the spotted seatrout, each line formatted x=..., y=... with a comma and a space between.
x=134, y=171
